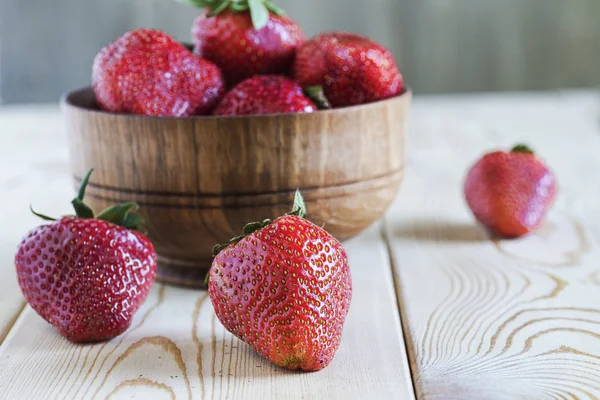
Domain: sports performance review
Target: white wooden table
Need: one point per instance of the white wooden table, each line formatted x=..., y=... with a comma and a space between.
x=439, y=311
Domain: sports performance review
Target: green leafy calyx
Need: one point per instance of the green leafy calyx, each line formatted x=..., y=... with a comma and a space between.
x=259, y=9
x=299, y=210
x=522, y=148
x=121, y=214
x=317, y=95
x=248, y=230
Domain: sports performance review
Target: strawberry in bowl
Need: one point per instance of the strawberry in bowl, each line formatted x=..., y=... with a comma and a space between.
x=206, y=136
x=350, y=68
x=147, y=72
x=265, y=94
x=246, y=37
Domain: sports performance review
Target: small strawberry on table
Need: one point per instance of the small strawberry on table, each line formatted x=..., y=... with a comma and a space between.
x=510, y=193
x=87, y=274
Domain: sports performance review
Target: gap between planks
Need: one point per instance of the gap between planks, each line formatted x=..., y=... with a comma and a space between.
x=408, y=340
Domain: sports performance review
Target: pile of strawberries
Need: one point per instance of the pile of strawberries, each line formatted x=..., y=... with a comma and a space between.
x=248, y=58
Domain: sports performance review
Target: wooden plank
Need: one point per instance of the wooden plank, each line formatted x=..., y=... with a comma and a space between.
x=491, y=319
x=176, y=348
x=33, y=170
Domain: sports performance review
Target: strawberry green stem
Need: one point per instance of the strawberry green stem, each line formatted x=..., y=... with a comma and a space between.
x=299, y=210
x=81, y=209
x=219, y=8
x=522, y=148
x=248, y=230
x=83, y=185
x=274, y=9
x=42, y=216
x=317, y=95
x=259, y=9
x=120, y=214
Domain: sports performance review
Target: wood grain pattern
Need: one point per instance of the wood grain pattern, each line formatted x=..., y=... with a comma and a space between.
x=200, y=180
x=489, y=319
x=484, y=319
x=33, y=162
x=177, y=349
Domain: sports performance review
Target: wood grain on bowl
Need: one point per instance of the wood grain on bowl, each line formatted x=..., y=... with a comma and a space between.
x=200, y=180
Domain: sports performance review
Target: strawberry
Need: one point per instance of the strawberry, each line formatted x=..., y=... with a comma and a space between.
x=265, y=94
x=245, y=37
x=284, y=287
x=352, y=69
x=87, y=275
x=510, y=193
x=148, y=72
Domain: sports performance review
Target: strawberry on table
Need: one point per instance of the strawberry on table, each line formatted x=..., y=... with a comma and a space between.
x=87, y=275
x=284, y=287
x=265, y=94
x=510, y=193
x=148, y=72
x=350, y=68
x=245, y=37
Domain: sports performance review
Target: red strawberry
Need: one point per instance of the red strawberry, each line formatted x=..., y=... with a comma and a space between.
x=87, y=275
x=148, y=72
x=285, y=289
x=265, y=94
x=246, y=37
x=352, y=69
x=510, y=193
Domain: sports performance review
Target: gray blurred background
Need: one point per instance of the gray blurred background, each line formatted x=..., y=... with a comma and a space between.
x=442, y=46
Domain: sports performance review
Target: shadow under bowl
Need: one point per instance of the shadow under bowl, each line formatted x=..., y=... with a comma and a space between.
x=199, y=180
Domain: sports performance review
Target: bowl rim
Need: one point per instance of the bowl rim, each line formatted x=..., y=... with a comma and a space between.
x=66, y=101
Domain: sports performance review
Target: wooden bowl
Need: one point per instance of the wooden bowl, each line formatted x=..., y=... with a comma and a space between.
x=199, y=180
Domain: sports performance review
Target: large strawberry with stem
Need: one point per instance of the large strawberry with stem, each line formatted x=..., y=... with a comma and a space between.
x=510, y=193
x=87, y=274
x=284, y=287
x=147, y=72
x=351, y=69
x=245, y=37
